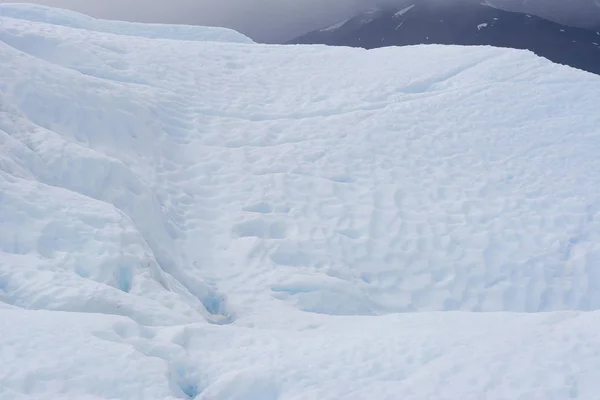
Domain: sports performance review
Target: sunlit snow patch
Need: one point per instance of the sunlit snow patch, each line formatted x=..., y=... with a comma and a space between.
x=334, y=26
x=404, y=11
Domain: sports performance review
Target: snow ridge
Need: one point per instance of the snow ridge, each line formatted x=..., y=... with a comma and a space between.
x=79, y=163
x=71, y=19
x=175, y=207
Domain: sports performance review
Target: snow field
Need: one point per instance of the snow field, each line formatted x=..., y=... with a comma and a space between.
x=228, y=220
x=495, y=355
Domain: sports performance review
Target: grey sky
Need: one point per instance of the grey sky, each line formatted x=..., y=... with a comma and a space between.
x=279, y=20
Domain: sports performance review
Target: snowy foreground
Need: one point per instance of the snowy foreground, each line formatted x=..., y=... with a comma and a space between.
x=185, y=214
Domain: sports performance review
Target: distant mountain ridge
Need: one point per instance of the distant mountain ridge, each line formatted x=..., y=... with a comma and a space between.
x=463, y=23
x=577, y=13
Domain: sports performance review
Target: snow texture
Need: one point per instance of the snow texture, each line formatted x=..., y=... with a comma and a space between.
x=185, y=214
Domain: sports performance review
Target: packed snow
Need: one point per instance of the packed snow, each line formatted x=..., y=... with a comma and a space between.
x=186, y=214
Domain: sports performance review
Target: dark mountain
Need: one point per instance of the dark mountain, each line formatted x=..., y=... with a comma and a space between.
x=463, y=23
x=578, y=13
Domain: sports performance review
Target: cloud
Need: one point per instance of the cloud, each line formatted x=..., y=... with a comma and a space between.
x=279, y=20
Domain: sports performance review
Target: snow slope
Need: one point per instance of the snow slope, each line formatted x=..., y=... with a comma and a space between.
x=38, y=13
x=187, y=214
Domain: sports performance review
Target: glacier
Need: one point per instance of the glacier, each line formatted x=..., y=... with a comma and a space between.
x=187, y=214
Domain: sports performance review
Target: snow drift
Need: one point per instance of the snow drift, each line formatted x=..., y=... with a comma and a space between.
x=192, y=209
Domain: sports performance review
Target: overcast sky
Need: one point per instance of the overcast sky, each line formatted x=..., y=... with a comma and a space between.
x=280, y=20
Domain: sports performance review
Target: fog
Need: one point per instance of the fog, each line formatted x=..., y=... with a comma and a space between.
x=276, y=21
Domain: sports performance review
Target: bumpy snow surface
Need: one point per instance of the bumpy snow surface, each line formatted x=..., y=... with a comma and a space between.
x=185, y=214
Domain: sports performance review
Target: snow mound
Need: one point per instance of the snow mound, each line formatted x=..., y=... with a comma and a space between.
x=125, y=238
x=72, y=19
x=192, y=213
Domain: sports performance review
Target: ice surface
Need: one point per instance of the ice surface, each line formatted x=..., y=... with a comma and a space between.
x=186, y=214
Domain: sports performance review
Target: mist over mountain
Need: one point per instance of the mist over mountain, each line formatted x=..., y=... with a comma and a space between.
x=577, y=13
